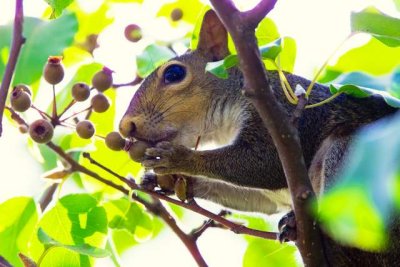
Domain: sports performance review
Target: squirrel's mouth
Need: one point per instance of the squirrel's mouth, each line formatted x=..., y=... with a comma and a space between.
x=168, y=136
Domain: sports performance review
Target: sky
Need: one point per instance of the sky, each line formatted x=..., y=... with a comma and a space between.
x=318, y=26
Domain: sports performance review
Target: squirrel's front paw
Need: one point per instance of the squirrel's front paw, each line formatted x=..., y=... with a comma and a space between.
x=167, y=158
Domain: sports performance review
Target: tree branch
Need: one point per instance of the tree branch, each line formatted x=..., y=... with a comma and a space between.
x=254, y=16
x=17, y=42
x=285, y=136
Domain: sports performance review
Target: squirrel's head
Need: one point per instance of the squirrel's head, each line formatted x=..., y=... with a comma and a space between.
x=170, y=104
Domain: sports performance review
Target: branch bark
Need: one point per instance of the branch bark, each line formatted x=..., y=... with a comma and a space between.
x=17, y=42
x=241, y=26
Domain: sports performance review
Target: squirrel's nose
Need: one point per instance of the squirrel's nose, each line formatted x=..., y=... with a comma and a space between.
x=127, y=127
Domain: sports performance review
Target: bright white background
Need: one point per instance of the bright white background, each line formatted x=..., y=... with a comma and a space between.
x=318, y=26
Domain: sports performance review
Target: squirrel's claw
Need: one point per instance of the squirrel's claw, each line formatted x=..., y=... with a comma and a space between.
x=167, y=158
x=287, y=228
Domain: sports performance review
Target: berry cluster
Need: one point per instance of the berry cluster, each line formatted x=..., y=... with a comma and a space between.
x=41, y=130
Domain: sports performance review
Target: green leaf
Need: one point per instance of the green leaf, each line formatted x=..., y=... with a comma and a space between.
x=287, y=57
x=220, y=68
x=361, y=92
x=379, y=25
x=373, y=58
x=269, y=253
x=271, y=51
x=17, y=224
x=266, y=32
x=58, y=6
x=151, y=58
x=381, y=83
x=124, y=214
x=83, y=249
x=76, y=220
x=43, y=39
x=356, y=209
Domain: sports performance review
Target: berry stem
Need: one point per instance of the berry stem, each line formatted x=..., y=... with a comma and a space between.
x=41, y=112
x=54, y=114
x=67, y=108
x=17, y=41
x=76, y=113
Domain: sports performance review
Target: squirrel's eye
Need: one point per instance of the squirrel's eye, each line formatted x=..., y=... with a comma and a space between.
x=174, y=73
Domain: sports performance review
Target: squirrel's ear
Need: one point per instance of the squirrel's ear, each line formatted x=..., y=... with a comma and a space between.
x=213, y=40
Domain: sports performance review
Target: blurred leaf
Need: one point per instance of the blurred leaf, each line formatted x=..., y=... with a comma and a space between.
x=126, y=1
x=56, y=174
x=58, y=6
x=373, y=58
x=75, y=220
x=83, y=249
x=266, y=32
x=397, y=3
x=362, y=79
x=43, y=39
x=379, y=25
x=190, y=9
x=269, y=253
x=5, y=43
x=91, y=23
x=356, y=209
x=287, y=57
x=348, y=215
x=151, y=58
x=361, y=92
x=395, y=83
x=17, y=223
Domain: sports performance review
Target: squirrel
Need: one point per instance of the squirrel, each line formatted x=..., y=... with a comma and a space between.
x=180, y=101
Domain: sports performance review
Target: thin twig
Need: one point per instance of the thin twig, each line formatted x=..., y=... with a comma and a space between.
x=16, y=117
x=135, y=81
x=67, y=107
x=75, y=114
x=301, y=104
x=196, y=233
x=17, y=41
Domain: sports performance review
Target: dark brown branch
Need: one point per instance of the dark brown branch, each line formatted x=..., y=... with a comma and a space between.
x=158, y=209
x=284, y=135
x=17, y=42
x=258, y=13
